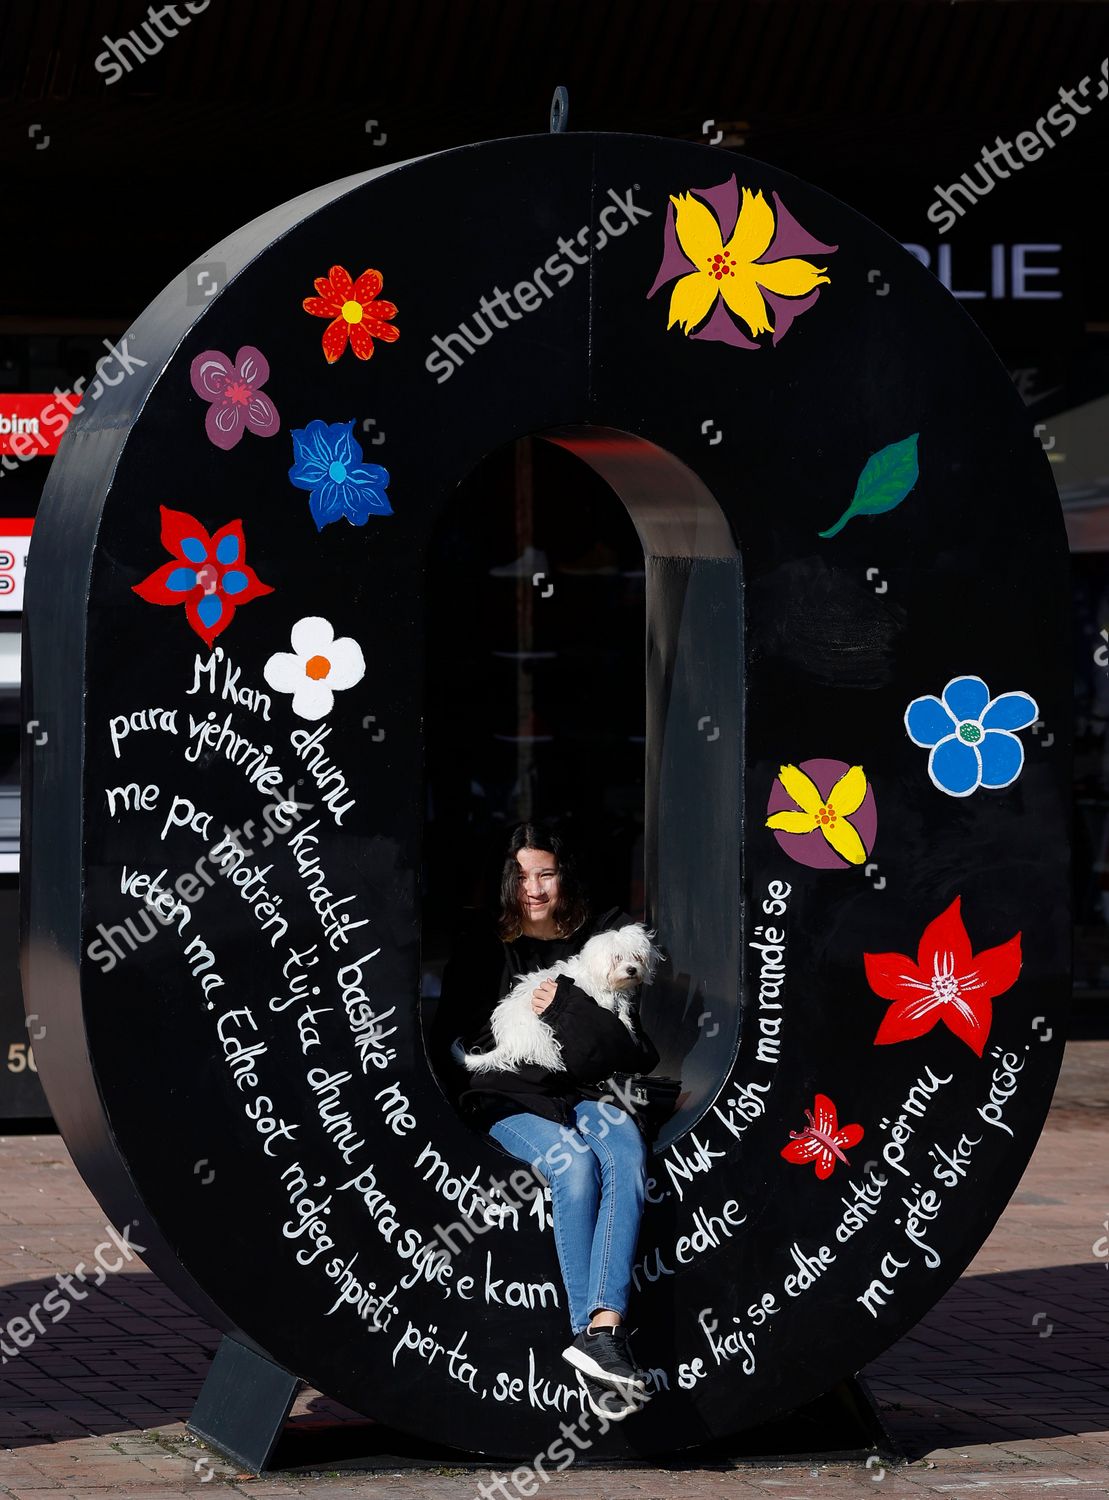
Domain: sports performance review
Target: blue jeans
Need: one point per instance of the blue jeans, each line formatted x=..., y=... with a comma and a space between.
x=597, y=1174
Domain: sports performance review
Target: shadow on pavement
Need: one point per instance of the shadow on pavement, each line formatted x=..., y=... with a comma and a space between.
x=1002, y=1358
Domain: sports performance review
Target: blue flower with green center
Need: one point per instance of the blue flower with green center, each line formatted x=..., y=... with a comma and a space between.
x=328, y=463
x=971, y=736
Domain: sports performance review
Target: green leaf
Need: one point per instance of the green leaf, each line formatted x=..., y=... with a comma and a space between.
x=888, y=477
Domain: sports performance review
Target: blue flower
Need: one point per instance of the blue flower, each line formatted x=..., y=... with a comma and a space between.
x=329, y=464
x=971, y=735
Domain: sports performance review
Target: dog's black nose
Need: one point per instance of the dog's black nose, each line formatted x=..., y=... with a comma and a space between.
x=631, y=968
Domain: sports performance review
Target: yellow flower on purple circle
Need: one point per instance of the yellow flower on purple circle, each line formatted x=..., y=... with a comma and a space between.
x=742, y=263
x=822, y=814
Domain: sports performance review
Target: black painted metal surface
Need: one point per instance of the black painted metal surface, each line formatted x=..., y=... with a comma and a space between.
x=290, y=1178
x=243, y=1404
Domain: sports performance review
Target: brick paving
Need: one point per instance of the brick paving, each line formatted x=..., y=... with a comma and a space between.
x=1001, y=1391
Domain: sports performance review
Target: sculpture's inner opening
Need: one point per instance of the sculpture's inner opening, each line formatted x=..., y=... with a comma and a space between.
x=584, y=662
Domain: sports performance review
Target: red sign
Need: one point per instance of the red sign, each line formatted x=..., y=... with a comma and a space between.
x=31, y=425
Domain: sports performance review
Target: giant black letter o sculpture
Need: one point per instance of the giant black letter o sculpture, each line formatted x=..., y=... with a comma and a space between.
x=856, y=764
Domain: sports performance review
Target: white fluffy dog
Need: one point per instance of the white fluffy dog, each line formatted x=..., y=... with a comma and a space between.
x=609, y=966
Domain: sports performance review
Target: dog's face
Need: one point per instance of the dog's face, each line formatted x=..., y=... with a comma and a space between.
x=623, y=958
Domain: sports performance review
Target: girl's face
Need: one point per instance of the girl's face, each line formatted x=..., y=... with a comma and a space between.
x=538, y=882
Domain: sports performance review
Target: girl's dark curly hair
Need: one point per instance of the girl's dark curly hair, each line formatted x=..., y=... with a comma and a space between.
x=573, y=902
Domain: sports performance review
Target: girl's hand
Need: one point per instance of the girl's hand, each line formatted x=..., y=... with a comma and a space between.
x=543, y=996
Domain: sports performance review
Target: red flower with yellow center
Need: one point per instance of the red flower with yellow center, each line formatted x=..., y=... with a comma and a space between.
x=356, y=314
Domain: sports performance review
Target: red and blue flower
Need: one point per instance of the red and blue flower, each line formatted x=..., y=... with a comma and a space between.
x=209, y=575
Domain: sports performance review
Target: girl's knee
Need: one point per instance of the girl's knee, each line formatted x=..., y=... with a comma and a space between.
x=628, y=1144
x=622, y=1158
x=577, y=1178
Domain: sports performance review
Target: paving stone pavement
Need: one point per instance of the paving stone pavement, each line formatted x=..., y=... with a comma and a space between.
x=1001, y=1391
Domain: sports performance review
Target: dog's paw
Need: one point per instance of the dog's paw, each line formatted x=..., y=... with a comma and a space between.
x=458, y=1051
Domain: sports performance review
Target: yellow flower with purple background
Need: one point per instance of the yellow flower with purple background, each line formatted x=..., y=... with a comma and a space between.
x=740, y=265
x=822, y=814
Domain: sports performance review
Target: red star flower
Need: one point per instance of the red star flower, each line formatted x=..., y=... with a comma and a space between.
x=949, y=982
x=354, y=312
x=208, y=574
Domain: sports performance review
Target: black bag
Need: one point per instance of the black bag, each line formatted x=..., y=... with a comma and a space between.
x=649, y=1100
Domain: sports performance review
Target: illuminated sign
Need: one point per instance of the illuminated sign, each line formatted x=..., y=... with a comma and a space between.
x=1010, y=273
x=33, y=424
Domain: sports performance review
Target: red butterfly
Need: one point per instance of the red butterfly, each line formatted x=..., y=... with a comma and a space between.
x=822, y=1138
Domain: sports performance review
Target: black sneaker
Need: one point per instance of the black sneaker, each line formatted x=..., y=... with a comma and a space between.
x=605, y=1354
x=610, y=1403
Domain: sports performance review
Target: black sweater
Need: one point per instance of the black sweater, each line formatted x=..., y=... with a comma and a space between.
x=595, y=1043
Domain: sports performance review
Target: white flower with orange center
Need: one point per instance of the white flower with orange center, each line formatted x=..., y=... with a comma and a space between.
x=318, y=667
